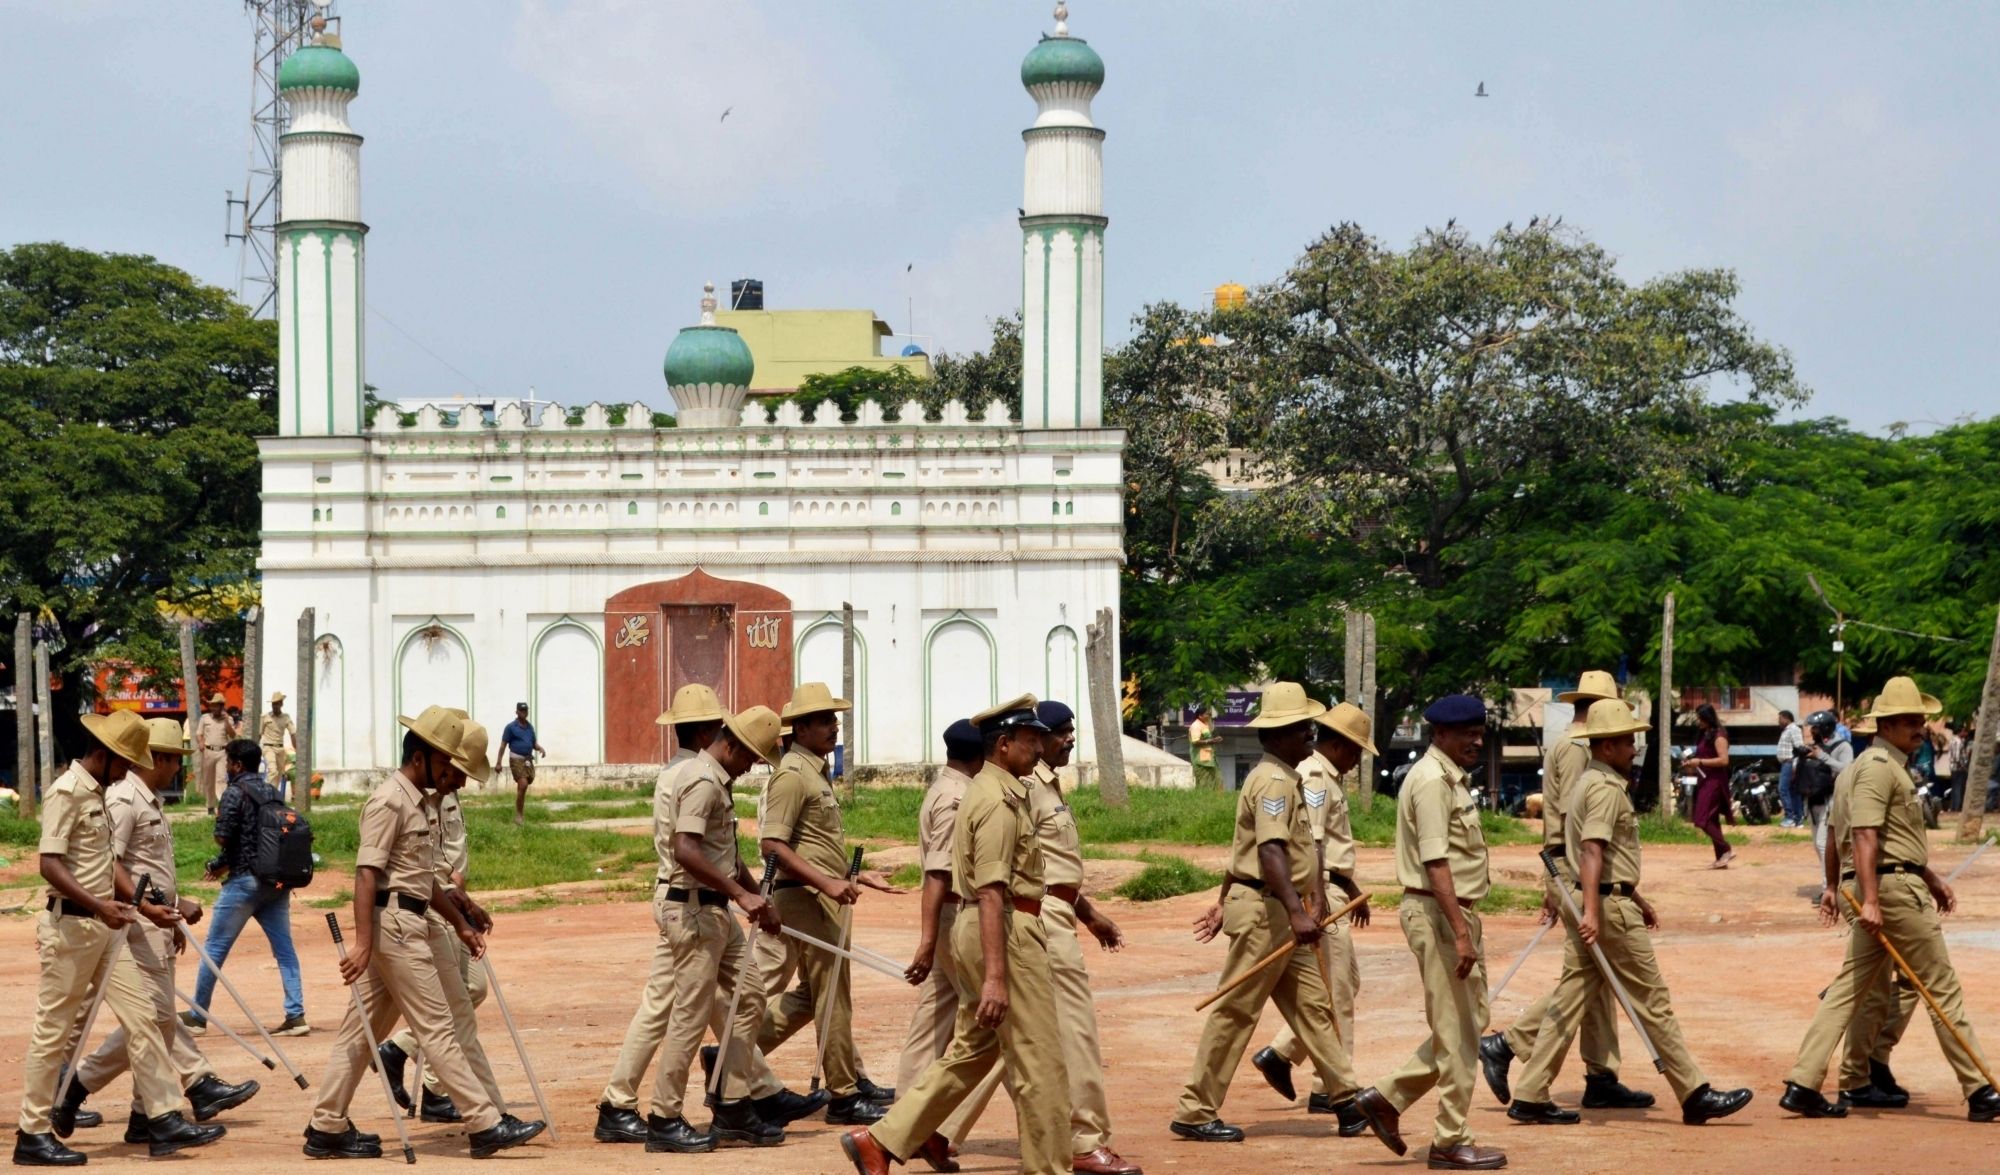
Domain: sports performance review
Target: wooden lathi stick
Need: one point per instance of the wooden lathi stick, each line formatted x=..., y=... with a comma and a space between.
x=1276, y=955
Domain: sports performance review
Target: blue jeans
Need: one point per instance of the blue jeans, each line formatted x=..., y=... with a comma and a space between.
x=1795, y=811
x=241, y=899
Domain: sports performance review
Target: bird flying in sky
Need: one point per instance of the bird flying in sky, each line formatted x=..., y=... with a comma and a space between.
x=727, y=109
x=1478, y=93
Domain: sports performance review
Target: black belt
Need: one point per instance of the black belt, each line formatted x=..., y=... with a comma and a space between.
x=706, y=897
x=1884, y=870
x=1256, y=883
x=403, y=900
x=788, y=884
x=1623, y=889
x=72, y=909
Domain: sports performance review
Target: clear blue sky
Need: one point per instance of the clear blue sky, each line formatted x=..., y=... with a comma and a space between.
x=548, y=182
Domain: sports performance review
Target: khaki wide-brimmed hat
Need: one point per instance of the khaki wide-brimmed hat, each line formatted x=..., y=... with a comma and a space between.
x=1284, y=703
x=1611, y=717
x=812, y=697
x=278, y=696
x=1900, y=695
x=216, y=699
x=756, y=728
x=1350, y=722
x=1594, y=686
x=437, y=726
x=163, y=737
x=693, y=702
x=1862, y=725
x=471, y=756
x=123, y=733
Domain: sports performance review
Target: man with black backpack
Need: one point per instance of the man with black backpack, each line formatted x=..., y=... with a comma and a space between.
x=260, y=840
x=1825, y=754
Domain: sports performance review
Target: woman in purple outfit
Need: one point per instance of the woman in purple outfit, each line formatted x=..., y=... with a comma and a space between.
x=1711, y=794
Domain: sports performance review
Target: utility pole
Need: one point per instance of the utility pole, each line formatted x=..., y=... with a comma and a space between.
x=253, y=672
x=1106, y=728
x=1350, y=683
x=850, y=735
x=302, y=763
x=24, y=713
x=1662, y=756
x=1367, y=702
x=1984, y=729
x=45, y=717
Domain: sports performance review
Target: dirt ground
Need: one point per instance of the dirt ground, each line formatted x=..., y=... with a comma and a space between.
x=1741, y=949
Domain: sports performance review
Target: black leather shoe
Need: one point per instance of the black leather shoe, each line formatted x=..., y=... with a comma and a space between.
x=88, y=1119
x=348, y=1144
x=1707, y=1103
x=674, y=1136
x=509, y=1131
x=1881, y=1078
x=1212, y=1131
x=135, y=1129
x=211, y=1095
x=170, y=1132
x=1869, y=1098
x=1983, y=1105
x=738, y=1122
x=854, y=1110
x=1606, y=1092
x=785, y=1107
x=1541, y=1114
x=616, y=1125
x=439, y=1107
x=1807, y=1103
x=393, y=1059
x=62, y=1115
x=1277, y=1073
x=1495, y=1058
x=43, y=1150
x=875, y=1093
x=1318, y=1103
x=1352, y=1124
x=1382, y=1118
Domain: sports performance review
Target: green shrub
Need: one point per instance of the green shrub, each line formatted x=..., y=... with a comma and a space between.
x=1166, y=876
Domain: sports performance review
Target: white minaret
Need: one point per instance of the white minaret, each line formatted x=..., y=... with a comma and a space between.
x=319, y=246
x=1062, y=237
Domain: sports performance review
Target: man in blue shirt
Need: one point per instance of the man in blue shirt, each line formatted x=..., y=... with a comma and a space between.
x=518, y=745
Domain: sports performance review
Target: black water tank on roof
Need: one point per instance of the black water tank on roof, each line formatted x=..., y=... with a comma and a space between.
x=746, y=293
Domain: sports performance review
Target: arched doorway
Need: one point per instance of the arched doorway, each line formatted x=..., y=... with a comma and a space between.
x=730, y=635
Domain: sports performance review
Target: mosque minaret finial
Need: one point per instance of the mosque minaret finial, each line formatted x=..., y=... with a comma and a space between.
x=708, y=304
x=1062, y=18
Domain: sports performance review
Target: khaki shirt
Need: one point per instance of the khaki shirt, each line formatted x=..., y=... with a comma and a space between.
x=1437, y=821
x=1271, y=807
x=1885, y=797
x=1062, y=849
x=937, y=819
x=139, y=833
x=213, y=732
x=1326, y=804
x=1602, y=811
x=1563, y=766
x=1839, y=823
x=705, y=806
x=801, y=810
x=666, y=793
x=995, y=842
x=454, y=855
x=76, y=827
x=272, y=732
x=399, y=836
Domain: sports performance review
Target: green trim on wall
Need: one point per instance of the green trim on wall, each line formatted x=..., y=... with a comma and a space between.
x=396, y=691
x=1082, y=251
x=860, y=733
x=328, y=274
x=992, y=663
x=534, y=674
x=1075, y=693
x=1048, y=251
x=298, y=407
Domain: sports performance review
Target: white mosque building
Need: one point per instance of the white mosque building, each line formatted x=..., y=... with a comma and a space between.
x=592, y=563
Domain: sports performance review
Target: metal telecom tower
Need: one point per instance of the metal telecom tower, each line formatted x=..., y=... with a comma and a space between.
x=281, y=27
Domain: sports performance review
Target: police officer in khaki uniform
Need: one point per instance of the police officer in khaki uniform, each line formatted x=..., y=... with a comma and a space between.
x=1064, y=908
x=1601, y=833
x=463, y=984
x=1007, y=1015
x=144, y=844
x=86, y=908
x=212, y=734
x=1267, y=898
x=274, y=730
x=1561, y=768
x=1441, y=861
x=391, y=962
x=708, y=944
x=1901, y=898
x=1336, y=752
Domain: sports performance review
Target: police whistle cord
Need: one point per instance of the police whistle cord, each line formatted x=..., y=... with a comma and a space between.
x=1278, y=954
x=97, y=997
x=215, y=969
x=744, y=974
x=1603, y=965
x=833, y=985
x=374, y=1049
x=1929, y=1000
x=209, y=1018
x=527, y=1066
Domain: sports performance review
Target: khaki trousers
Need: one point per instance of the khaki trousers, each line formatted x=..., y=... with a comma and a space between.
x=771, y=963
x=464, y=987
x=276, y=759
x=649, y=1023
x=402, y=980
x=1628, y=948
x=1600, y=1018
x=152, y=951
x=1336, y=947
x=805, y=910
x=932, y=1023
x=1880, y=1020
x=211, y=775
x=1076, y=1018
x=708, y=957
x=73, y=953
x=1256, y=926
x=1909, y=921
x=1024, y=1046
x=1455, y=1009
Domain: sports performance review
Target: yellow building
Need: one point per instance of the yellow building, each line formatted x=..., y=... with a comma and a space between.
x=789, y=345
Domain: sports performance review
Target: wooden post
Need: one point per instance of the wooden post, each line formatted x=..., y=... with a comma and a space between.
x=45, y=716
x=190, y=676
x=1106, y=726
x=851, y=735
x=24, y=713
x=1973, y=814
x=1367, y=701
x=302, y=717
x=253, y=673
x=1662, y=759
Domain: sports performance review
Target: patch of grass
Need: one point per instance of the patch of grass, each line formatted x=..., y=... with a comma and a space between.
x=536, y=901
x=1100, y=853
x=1662, y=828
x=1788, y=838
x=880, y=813
x=333, y=901
x=16, y=831
x=1499, y=899
x=1166, y=876
x=910, y=876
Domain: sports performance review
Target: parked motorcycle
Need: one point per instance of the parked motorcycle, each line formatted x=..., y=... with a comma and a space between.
x=1755, y=794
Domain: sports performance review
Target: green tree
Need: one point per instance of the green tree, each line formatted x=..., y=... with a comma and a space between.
x=977, y=378
x=130, y=397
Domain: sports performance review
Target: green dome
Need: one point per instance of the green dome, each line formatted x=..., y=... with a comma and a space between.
x=319, y=65
x=1062, y=59
x=708, y=355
